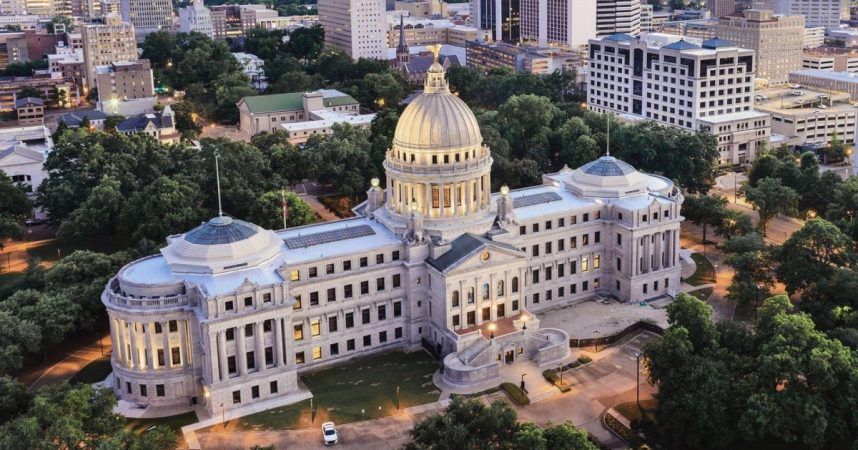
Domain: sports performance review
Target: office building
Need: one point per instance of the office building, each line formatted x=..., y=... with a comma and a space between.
x=357, y=27
x=834, y=59
x=423, y=9
x=808, y=115
x=501, y=17
x=827, y=80
x=106, y=43
x=521, y=58
x=147, y=15
x=265, y=113
x=196, y=18
x=776, y=40
x=126, y=88
x=647, y=16
x=816, y=13
x=720, y=8
x=813, y=37
x=618, y=16
x=566, y=23
x=681, y=82
x=420, y=32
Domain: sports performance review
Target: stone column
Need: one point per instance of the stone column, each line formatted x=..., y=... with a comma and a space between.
x=135, y=352
x=454, y=209
x=183, y=343
x=278, y=343
x=240, y=351
x=168, y=353
x=121, y=344
x=148, y=332
x=215, y=364
x=221, y=355
x=469, y=195
x=442, y=212
x=114, y=339
x=259, y=340
x=427, y=209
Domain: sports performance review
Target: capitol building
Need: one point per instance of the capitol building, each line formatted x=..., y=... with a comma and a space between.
x=229, y=314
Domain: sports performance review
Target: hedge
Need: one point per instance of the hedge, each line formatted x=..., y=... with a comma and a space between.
x=584, y=359
x=515, y=393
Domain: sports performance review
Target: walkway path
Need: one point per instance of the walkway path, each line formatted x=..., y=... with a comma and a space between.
x=325, y=214
x=73, y=363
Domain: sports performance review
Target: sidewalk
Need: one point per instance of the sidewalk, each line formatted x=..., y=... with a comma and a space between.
x=73, y=363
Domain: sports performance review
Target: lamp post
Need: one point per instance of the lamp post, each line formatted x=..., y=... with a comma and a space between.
x=638, y=377
x=397, y=397
x=595, y=343
x=560, y=370
x=524, y=321
x=492, y=330
x=223, y=416
x=522, y=380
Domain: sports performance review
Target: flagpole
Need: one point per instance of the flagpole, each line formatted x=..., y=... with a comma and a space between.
x=283, y=206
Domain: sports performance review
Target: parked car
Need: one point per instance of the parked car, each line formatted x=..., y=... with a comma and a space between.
x=329, y=433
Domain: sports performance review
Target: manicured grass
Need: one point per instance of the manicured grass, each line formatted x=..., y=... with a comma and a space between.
x=631, y=411
x=703, y=294
x=93, y=372
x=705, y=272
x=176, y=423
x=359, y=390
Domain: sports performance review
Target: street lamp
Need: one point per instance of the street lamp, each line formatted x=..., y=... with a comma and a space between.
x=522, y=380
x=492, y=330
x=638, y=375
x=811, y=214
x=560, y=370
x=524, y=319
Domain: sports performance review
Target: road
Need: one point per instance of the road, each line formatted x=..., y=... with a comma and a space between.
x=609, y=380
x=63, y=370
x=778, y=229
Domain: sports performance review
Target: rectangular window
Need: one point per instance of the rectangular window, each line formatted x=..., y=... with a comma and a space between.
x=347, y=291
x=161, y=357
x=267, y=324
x=175, y=355
x=251, y=360
x=561, y=291
x=297, y=332
x=295, y=275
x=329, y=269
x=536, y=297
x=597, y=261
x=127, y=387
x=367, y=341
x=313, y=272
x=272, y=387
x=314, y=299
x=585, y=239
x=335, y=349
x=535, y=228
x=269, y=356
x=597, y=237
x=297, y=304
x=573, y=242
x=266, y=298
x=248, y=329
x=317, y=353
x=472, y=317
x=535, y=250
x=487, y=314
x=535, y=276
x=159, y=390
x=397, y=309
x=549, y=295
x=561, y=222
x=254, y=392
x=586, y=217
x=143, y=391
x=230, y=364
x=619, y=239
x=382, y=337
x=364, y=261
x=547, y=224
x=382, y=312
x=364, y=287
x=299, y=358
x=332, y=324
x=548, y=273
x=315, y=327
x=561, y=245
x=379, y=284
x=522, y=230
x=573, y=288
x=174, y=326
x=350, y=320
x=560, y=270
x=332, y=295
x=397, y=333
x=248, y=301
x=501, y=310
x=584, y=285
x=547, y=248
x=379, y=258
x=350, y=345
x=228, y=305
x=396, y=280
x=515, y=305
x=364, y=316
x=347, y=265
x=395, y=255
x=456, y=321
x=236, y=397
x=585, y=264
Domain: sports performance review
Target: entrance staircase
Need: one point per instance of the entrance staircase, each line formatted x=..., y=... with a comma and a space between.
x=472, y=351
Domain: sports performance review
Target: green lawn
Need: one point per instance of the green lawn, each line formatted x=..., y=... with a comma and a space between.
x=174, y=422
x=703, y=294
x=93, y=372
x=631, y=411
x=705, y=272
x=359, y=390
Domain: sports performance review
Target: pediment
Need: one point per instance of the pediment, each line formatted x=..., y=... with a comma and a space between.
x=487, y=257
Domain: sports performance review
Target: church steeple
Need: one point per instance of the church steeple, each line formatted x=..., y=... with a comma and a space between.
x=402, y=54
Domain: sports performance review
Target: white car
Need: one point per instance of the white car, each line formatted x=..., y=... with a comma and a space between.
x=329, y=433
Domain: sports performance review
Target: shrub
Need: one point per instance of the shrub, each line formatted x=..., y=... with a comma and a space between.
x=550, y=376
x=584, y=359
x=515, y=393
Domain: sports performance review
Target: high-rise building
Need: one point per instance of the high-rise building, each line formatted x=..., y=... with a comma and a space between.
x=126, y=87
x=720, y=8
x=777, y=40
x=107, y=43
x=196, y=17
x=618, y=16
x=646, y=18
x=817, y=13
x=682, y=82
x=567, y=23
x=502, y=17
x=358, y=27
x=147, y=15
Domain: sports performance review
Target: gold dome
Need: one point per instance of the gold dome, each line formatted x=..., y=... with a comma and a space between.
x=437, y=119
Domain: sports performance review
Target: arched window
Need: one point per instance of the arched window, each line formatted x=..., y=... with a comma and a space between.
x=470, y=295
x=455, y=298
x=514, y=285
x=500, y=289
x=485, y=291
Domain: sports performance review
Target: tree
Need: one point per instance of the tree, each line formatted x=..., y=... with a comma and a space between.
x=29, y=91
x=765, y=166
x=567, y=437
x=14, y=207
x=836, y=150
x=342, y=159
x=705, y=211
x=813, y=253
x=306, y=43
x=735, y=223
x=770, y=198
x=98, y=215
x=18, y=338
x=695, y=316
x=14, y=398
x=171, y=205
x=466, y=424
x=112, y=121
x=268, y=212
x=53, y=313
x=378, y=90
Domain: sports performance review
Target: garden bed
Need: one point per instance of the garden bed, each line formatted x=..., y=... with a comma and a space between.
x=340, y=205
x=705, y=272
x=93, y=372
x=515, y=393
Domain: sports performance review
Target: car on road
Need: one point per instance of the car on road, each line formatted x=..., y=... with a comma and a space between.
x=329, y=433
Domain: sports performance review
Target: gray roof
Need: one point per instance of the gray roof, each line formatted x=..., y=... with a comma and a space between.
x=21, y=102
x=221, y=230
x=716, y=43
x=619, y=37
x=607, y=166
x=681, y=44
x=75, y=118
x=22, y=150
x=140, y=122
x=326, y=237
x=463, y=247
x=421, y=63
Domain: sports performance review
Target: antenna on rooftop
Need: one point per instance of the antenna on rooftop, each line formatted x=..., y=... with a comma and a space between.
x=608, y=140
x=217, y=179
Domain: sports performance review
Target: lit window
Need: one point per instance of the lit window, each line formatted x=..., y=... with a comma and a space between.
x=315, y=327
x=317, y=352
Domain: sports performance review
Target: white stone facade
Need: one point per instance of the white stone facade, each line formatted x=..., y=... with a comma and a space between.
x=229, y=313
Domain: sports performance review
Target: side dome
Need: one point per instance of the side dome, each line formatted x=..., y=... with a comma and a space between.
x=608, y=177
x=220, y=245
x=437, y=120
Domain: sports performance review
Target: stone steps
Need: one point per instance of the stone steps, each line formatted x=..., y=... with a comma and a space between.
x=544, y=395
